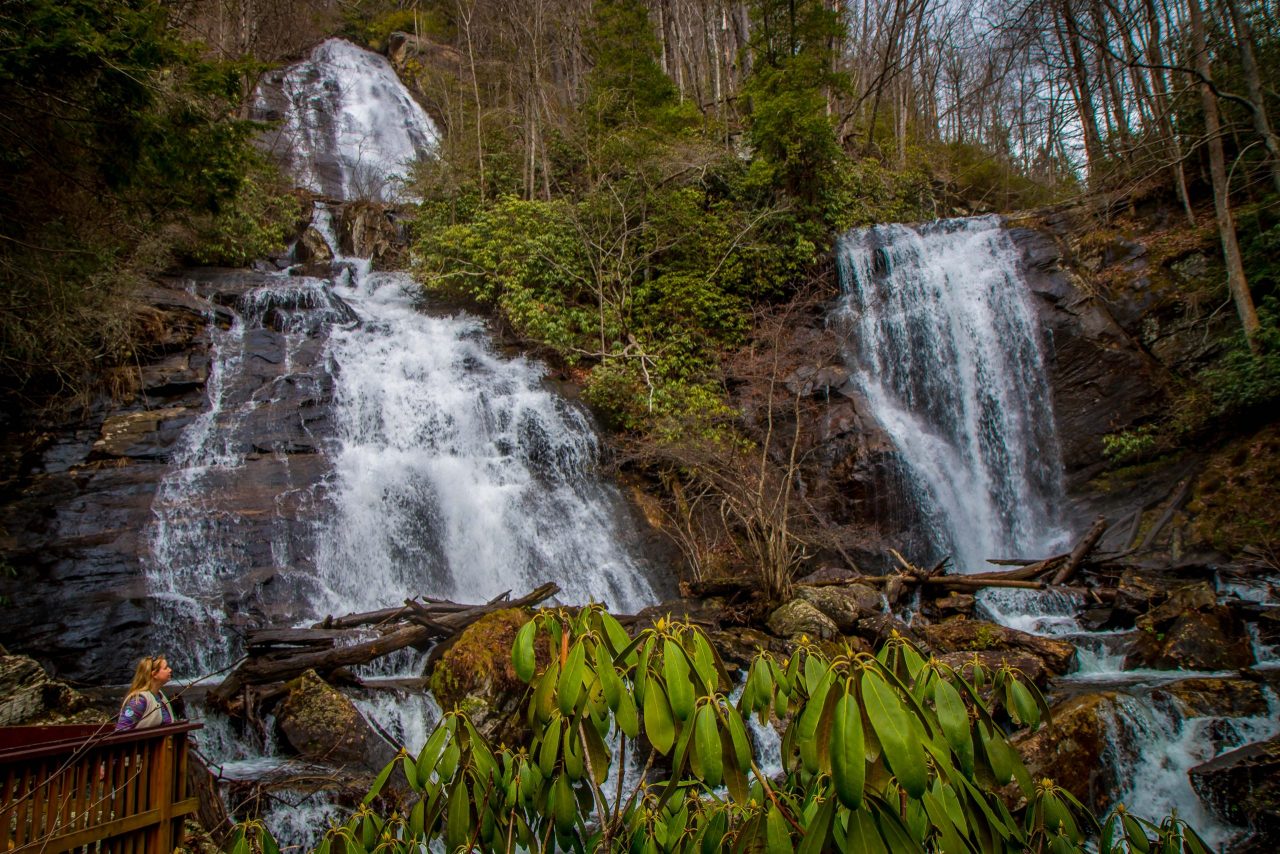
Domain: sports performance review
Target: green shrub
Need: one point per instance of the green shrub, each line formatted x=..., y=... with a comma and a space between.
x=890, y=752
x=253, y=224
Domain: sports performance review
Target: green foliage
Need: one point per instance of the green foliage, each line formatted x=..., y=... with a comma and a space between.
x=372, y=23
x=625, y=84
x=125, y=141
x=1240, y=385
x=1132, y=444
x=890, y=752
x=252, y=224
x=643, y=284
x=1242, y=382
x=795, y=148
x=1259, y=231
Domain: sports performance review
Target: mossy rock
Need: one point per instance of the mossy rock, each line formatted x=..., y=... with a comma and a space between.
x=964, y=635
x=323, y=725
x=1235, y=503
x=799, y=617
x=475, y=675
x=1072, y=751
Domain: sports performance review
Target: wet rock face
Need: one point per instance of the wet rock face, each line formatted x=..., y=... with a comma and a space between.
x=323, y=725
x=1190, y=631
x=1216, y=697
x=1071, y=752
x=1102, y=380
x=77, y=517
x=29, y=697
x=1040, y=657
x=1243, y=787
x=369, y=230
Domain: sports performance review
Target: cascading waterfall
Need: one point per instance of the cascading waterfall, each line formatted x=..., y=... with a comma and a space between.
x=197, y=544
x=1153, y=745
x=457, y=471
x=943, y=344
x=454, y=472
x=447, y=469
x=944, y=347
x=1152, y=741
x=348, y=127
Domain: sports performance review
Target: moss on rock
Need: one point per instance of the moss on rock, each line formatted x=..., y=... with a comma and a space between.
x=475, y=675
x=1235, y=504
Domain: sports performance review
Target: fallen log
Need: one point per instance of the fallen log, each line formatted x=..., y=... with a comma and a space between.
x=1081, y=551
x=1026, y=571
x=282, y=664
x=264, y=638
x=965, y=582
x=388, y=615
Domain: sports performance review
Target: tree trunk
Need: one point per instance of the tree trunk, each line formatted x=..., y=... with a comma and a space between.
x=1083, y=89
x=1253, y=80
x=1236, y=280
x=1160, y=96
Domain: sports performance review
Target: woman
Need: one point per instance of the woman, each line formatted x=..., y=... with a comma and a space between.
x=145, y=705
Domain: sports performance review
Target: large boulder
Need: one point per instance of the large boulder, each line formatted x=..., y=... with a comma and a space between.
x=991, y=660
x=843, y=605
x=1190, y=631
x=1219, y=698
x=1243, y=787
x=323, y=725
x=798, y=617
x=995, y=641
x=29, y=697
x=366, y=230
x=475, y=675
x=1070, y=751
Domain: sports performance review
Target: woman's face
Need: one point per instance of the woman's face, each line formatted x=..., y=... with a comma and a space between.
x=161, y=673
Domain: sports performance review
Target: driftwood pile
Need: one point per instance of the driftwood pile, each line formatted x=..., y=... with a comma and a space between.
x=1053, y=571
x=274, y=656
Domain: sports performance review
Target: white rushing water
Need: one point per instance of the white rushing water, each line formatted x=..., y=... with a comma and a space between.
x=1153, y=742
x=197, y=542
x=457, y=472
x=348, y=127
x=454, y=472
x=1153, y=746
x=943, y=344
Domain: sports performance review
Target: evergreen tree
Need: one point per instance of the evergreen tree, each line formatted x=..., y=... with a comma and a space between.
x=796, y=150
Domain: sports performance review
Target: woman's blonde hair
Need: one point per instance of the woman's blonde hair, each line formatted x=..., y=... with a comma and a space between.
x=149, y=665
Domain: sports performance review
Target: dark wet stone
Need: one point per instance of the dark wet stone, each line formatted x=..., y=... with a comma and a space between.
x=1243, y=787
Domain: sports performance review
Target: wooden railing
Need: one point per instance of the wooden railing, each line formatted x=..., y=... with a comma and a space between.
x=85, y=788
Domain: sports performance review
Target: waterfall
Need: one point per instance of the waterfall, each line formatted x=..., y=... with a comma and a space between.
x=942, y=343
x=452, y=470
x=1153, y=744
x=456, y=471
x=409, y=457
x=201, y=540
x=348, y=128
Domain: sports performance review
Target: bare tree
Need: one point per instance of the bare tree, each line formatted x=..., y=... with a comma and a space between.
x=1236, y=280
